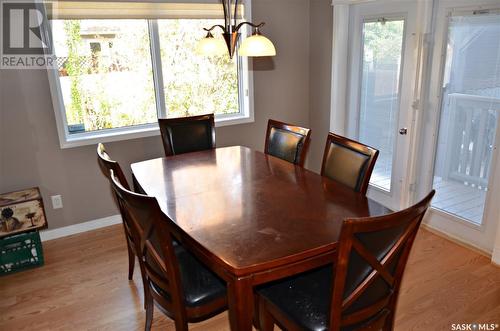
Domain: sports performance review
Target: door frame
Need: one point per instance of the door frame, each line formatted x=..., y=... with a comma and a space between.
x=402, y=179
x=481, y=236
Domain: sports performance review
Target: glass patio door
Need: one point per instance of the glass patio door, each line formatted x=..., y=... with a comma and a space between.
x=469, y=116
x=464, y=150
x=382, y=69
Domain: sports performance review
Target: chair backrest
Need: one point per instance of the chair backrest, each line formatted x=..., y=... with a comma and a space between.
x=155, y=242
x=286, y=141
x=348, y=162
x=372, y=256
x=107, y=164
x=187, y=134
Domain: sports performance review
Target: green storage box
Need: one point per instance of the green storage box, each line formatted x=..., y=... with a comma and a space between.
x=20, y=252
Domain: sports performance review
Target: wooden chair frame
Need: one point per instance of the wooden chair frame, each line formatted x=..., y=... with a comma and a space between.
x=107, y=164
x=381, y=314
x=356, y=146
x=169, y=280
x=165, y=123
x=292, y=128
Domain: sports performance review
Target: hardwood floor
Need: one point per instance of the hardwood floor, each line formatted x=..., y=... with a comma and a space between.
x=84, y=286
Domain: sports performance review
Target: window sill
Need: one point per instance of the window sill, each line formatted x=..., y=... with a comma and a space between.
x=136, y=132
x=227, y=120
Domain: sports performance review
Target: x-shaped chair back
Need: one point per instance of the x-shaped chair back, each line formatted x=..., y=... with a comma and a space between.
x=372, y=255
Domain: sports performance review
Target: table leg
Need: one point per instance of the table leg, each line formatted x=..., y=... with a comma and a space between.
x=241, y=304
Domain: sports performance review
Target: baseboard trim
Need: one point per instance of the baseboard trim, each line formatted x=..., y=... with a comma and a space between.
x=69, y=230
x=456, y=240
x=496, y=255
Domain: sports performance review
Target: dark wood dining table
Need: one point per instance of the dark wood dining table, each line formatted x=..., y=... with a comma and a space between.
x=250, y=217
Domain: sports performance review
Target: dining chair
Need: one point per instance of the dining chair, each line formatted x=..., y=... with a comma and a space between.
x=178, y=283
x=360, y=290
x=107, y=164
x=187, y=134
x=348, y=162
x=287, y=142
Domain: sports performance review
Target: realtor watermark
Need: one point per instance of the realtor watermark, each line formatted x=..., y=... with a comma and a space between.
x=475, y=326
x=24, y=40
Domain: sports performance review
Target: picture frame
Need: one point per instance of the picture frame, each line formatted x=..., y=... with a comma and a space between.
x=21, y=211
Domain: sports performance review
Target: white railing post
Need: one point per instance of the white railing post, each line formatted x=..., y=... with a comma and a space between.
x=467, y=151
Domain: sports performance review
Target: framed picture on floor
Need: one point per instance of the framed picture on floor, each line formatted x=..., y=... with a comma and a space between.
x=21, y=211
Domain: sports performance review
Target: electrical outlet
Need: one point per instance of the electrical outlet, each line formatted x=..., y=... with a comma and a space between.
x=57, y=202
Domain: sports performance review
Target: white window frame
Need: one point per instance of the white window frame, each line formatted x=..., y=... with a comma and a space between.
x=67, y=140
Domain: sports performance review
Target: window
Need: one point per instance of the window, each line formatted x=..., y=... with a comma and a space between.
x=116, y=76
x=105, y=73
x=380, y=95
x=195, y=84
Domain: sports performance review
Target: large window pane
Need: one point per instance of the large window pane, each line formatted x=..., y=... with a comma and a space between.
x=469, y=116
x=195, y=84
x=105, y=73
x=379, y=99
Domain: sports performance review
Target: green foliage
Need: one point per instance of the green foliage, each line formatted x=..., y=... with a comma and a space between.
x=112, y=86
x=383, y=41
x=74, y=70
x=195, y=84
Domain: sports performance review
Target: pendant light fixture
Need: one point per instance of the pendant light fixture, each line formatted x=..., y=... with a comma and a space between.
x=255, y=45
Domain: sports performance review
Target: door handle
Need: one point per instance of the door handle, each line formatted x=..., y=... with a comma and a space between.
x=403, y=131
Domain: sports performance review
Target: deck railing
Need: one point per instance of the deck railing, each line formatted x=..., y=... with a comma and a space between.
x=471, y=123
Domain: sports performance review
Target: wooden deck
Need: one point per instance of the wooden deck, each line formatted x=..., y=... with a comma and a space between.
x=459, y=199
x=453, y=197
x=381, y=175
x=84, y=286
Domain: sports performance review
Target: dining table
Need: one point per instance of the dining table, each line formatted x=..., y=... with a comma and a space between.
x=250, y=217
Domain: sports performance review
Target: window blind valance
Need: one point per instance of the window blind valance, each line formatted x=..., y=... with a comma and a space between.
x=197, y=9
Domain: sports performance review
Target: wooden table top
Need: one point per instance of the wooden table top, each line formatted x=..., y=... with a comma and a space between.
x=249, y=210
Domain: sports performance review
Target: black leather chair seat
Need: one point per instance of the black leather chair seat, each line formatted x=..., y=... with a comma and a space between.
x=304, y=299
x=200, y=285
